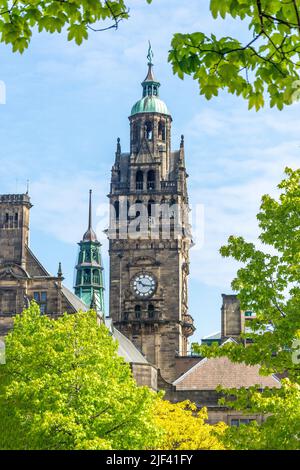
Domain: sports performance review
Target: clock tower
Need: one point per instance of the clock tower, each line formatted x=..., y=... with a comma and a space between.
x=149, y=235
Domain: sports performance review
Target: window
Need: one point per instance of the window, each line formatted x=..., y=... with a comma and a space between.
x=135, y=133
x=117, y=209
x=151, y=311
x=96, y=276
x=148, y=130
x=150, y=207
x=41, y=299
x=139, y=180
x=162, y=131
x=238, y=421
x=126, y=316
x=151, y=179
x=86, y=276
x=137, y=310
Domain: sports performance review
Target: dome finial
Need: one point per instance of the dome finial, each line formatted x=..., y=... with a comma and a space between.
x=150, y=54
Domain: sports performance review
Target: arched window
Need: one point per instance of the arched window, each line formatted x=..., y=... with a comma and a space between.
x=150, y=311
x=151, y=179
x=117, y=209
x=148, y=130
x=151, y=203
x=96, y=276
x=86, y=276
x=135, y=132
x=139, y=180
x=162, y=130
x=137, y=311
x=155, y=90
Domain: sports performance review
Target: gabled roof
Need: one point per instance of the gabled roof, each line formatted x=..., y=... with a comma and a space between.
x=126, y=349
x=33, y=265
x=73, y=300
x=213, y=336
x=209, y=373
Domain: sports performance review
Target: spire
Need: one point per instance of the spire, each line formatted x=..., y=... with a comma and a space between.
x=90, y=210
x=89, y=281
x=59, y=271
x=118, y=151
x=150, y=84
x=90, y=235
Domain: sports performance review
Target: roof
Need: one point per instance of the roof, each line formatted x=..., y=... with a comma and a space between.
x=73, y=300
x=150, y=104
x=209, y=373
x=214, y=336
x=126, y=348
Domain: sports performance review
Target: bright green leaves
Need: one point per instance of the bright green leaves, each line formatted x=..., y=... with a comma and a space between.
x=65, y=387
x=268, y=283
x=267, y=66
x=17, y=19
x=77, y=32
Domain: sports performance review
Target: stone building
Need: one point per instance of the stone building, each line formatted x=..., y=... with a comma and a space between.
x=22, y=276
x=149, y=235
x=149, y=242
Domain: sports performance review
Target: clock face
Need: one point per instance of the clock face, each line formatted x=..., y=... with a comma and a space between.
x=144, y=285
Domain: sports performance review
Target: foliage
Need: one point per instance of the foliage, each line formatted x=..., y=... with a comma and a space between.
x=269, y=285
x=65, y=387
x=19, y=18
x=267, y=63
x=184, y=427
x=280, y=431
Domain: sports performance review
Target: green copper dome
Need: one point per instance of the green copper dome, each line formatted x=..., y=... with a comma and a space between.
x=150, y=104
x=150, y=101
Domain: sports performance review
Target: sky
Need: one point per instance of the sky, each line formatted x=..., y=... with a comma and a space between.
x=66, y=105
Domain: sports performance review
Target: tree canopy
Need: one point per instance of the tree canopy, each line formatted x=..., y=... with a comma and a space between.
x=65, y=387
x=185, y=428
x=18, y=18
x=267, y=65
x=268, y=284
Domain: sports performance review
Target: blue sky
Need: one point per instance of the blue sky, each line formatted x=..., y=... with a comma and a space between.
x=66, y=106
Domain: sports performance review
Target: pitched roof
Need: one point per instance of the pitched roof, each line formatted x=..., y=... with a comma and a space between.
x=213, y=336
x=209, y=373
x=126, y=349
x=73, y=300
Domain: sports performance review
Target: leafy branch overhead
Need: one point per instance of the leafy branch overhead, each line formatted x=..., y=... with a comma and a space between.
x=267, y=64
x=18, y=18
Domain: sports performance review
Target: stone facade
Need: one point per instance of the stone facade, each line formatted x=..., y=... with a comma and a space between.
x=150, y=237
x=22, y=276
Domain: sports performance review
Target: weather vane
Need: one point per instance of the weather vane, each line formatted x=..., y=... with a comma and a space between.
x=150, y=54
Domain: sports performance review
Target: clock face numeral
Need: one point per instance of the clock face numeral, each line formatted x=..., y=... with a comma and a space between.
x=143, y=285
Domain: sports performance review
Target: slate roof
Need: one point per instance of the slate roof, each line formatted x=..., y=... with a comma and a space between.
x=208, y=374
x=126, y=349
x=73, y=300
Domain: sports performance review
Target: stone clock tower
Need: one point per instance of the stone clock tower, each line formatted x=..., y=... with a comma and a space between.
x=149, y=235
